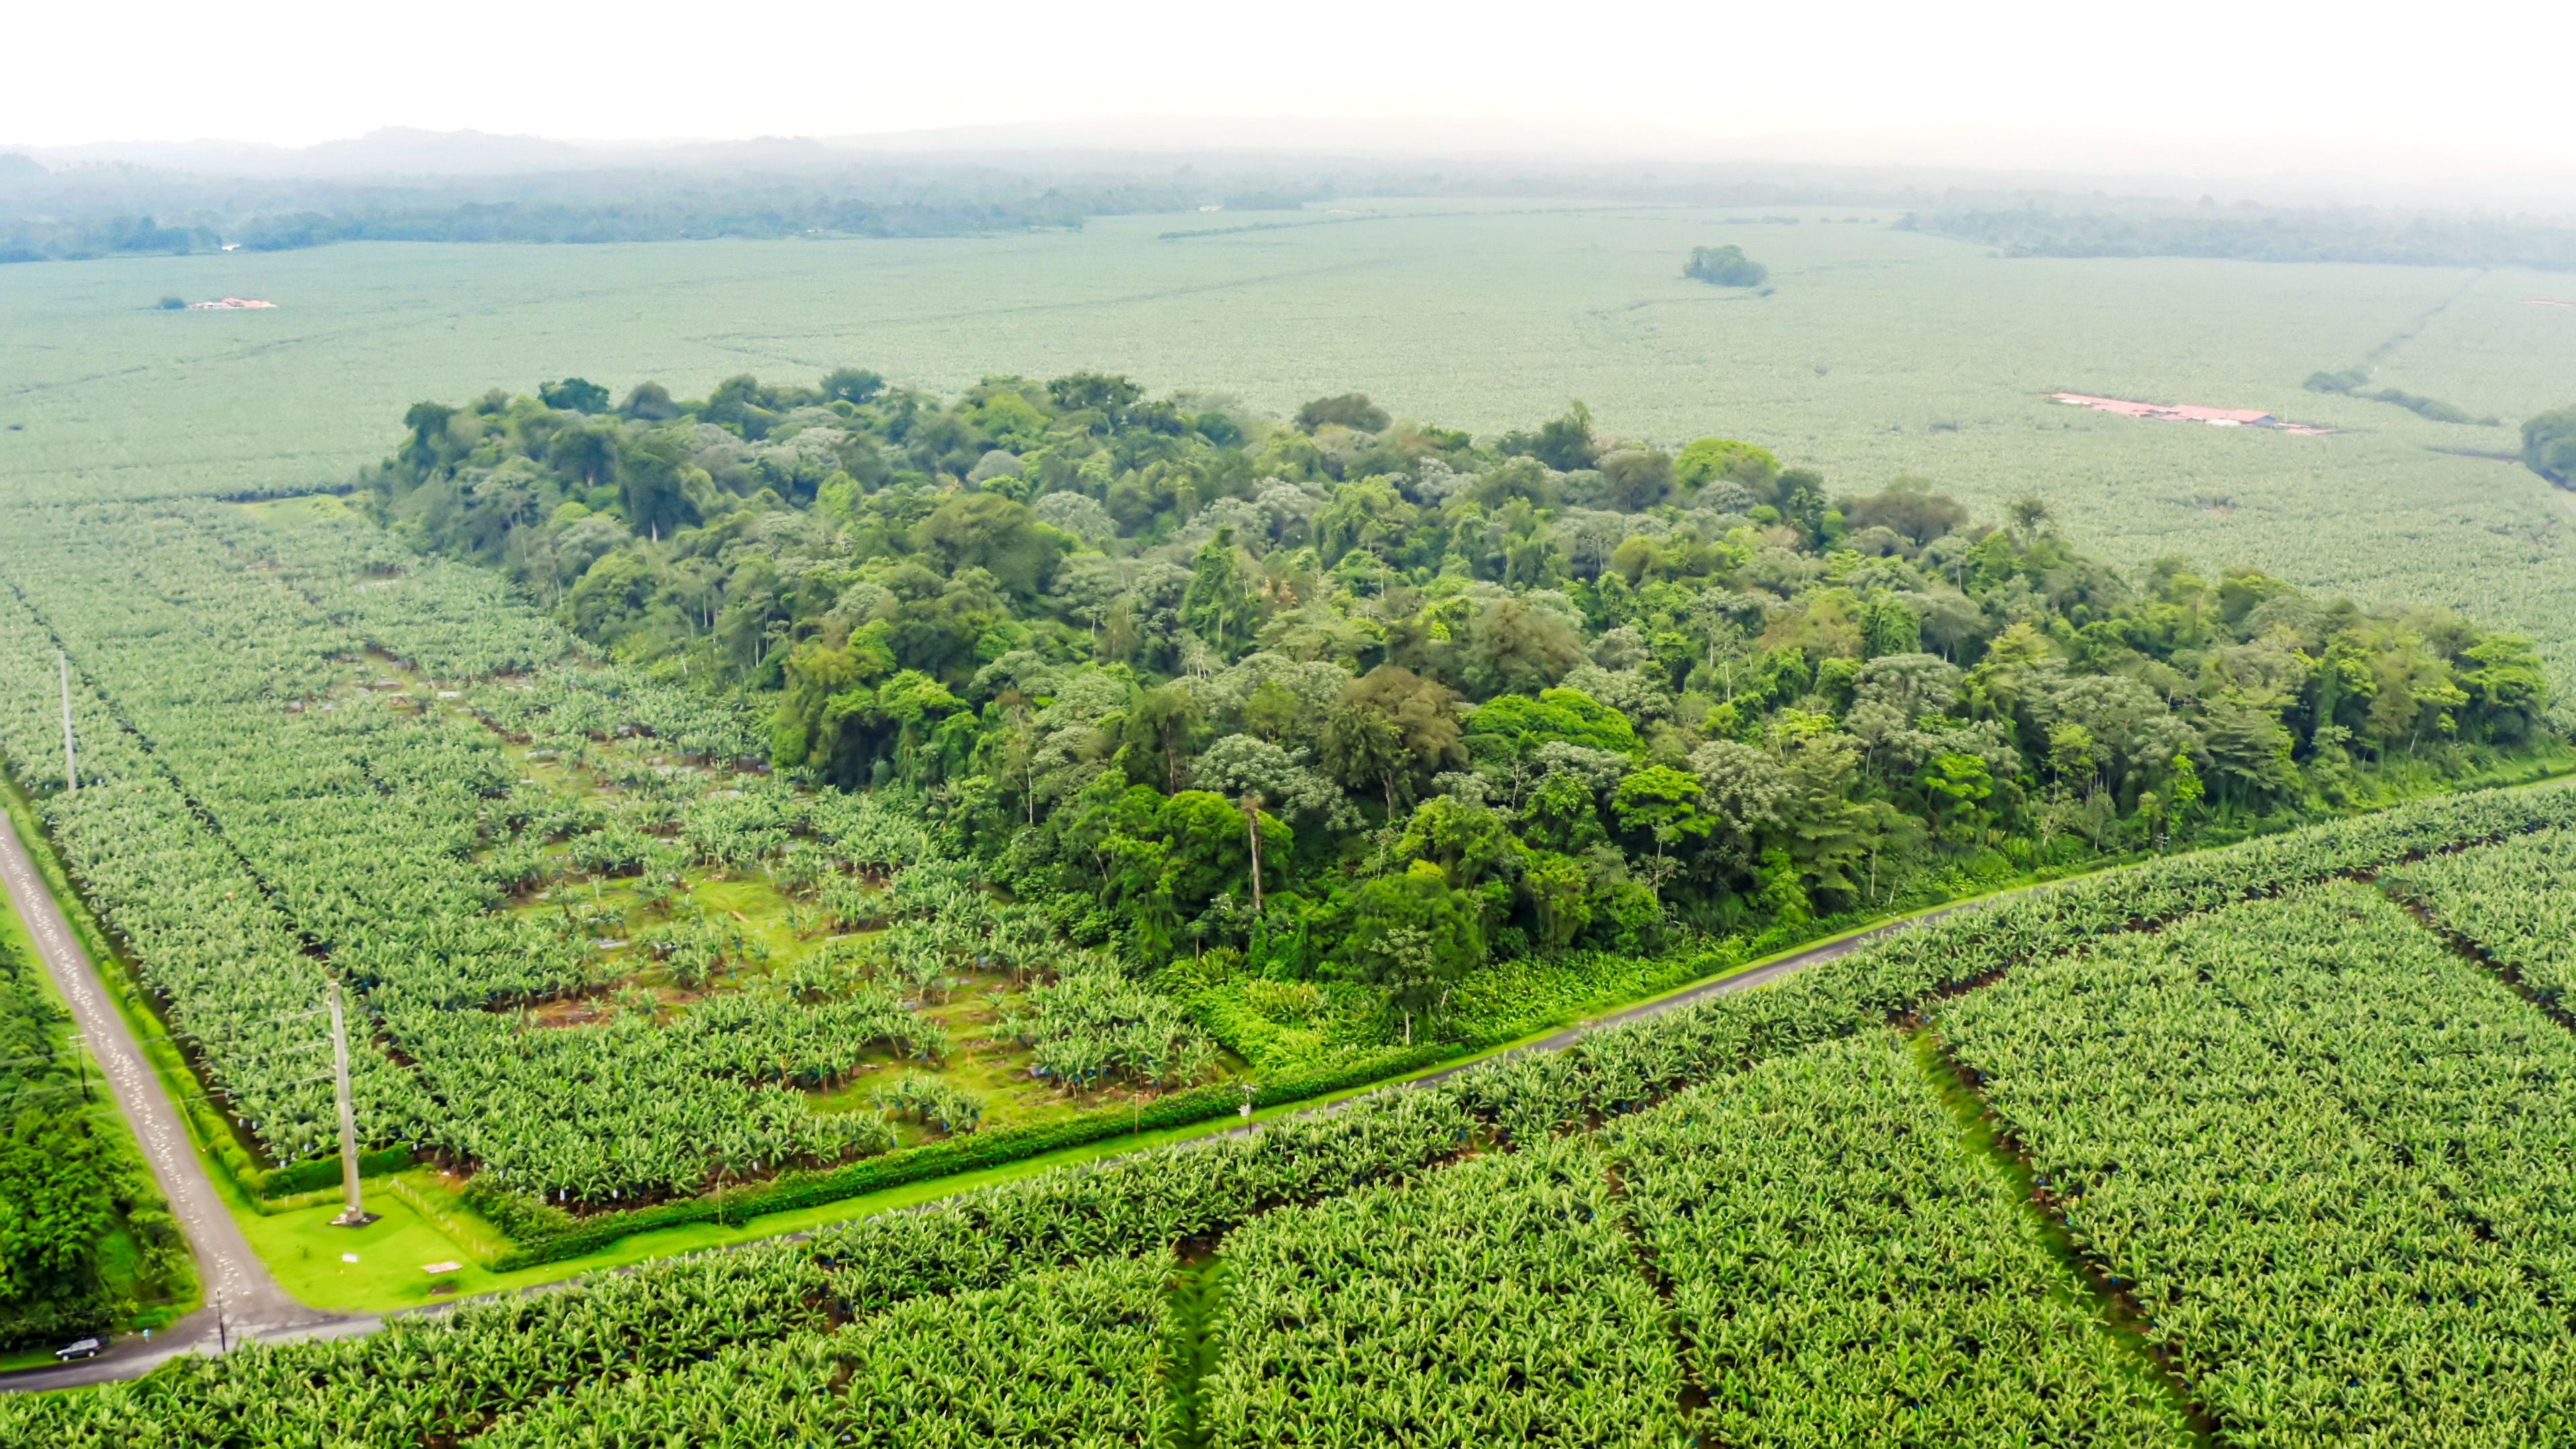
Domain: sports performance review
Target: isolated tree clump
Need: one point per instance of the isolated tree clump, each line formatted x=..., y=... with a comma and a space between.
x=1351, y=410
x=1726, y=266
x=574, y=394
x=2549, y=445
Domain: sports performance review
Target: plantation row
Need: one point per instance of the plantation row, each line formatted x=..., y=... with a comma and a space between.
x=1496, y=1302
x=1065, y=1357
x=1840, y=1271
x=363, y=823
x=387, y=835
x=238, y=987
x=1505, y=1300
x=419, y=1382
x=2516, y=900
x=459, y=622
x=1846, y=1274
x=450, y=622
x=2333, y=1164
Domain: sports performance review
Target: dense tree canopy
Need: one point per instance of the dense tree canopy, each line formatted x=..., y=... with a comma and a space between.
x=1468, y=699
x=66, y=1187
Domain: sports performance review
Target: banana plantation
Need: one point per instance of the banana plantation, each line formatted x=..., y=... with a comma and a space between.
x=2229, y=1147
x=605, y=956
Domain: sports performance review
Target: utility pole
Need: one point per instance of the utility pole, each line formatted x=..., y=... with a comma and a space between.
x=71, y=768
x=355, y=1215
x=1252, y=803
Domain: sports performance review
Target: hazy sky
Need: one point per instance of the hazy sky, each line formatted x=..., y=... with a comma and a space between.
x=2249, y=85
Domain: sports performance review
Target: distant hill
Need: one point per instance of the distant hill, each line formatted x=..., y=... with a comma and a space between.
x=760, y=153
x=408, y=151
x=393, y=151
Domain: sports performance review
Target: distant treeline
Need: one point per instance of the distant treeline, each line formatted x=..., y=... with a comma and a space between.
x=47, y=239
x=426, y=187
x=83, y=219
x=88, y=211
x=2355, y=382
x=759, y=191
x=2245, y=233
x=673, y=220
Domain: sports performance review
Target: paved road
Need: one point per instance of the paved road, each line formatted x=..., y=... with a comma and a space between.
x=281, y=1318
x=253, y=1304
x=1728, y=985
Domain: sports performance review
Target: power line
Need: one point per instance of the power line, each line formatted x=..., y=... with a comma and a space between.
x=178, y=1034
x=233, y=1059
x=225, y=1093
x=18, y=1097
x=23, y=1061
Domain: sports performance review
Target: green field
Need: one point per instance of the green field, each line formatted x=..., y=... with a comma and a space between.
x=1878, y=353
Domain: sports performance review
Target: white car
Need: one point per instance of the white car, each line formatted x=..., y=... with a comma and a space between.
x=86, y=1348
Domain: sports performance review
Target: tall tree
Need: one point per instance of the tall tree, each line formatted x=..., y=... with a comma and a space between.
x=1218, y=606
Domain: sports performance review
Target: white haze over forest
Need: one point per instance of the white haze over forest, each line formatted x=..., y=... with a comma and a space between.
x=2295, y=101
